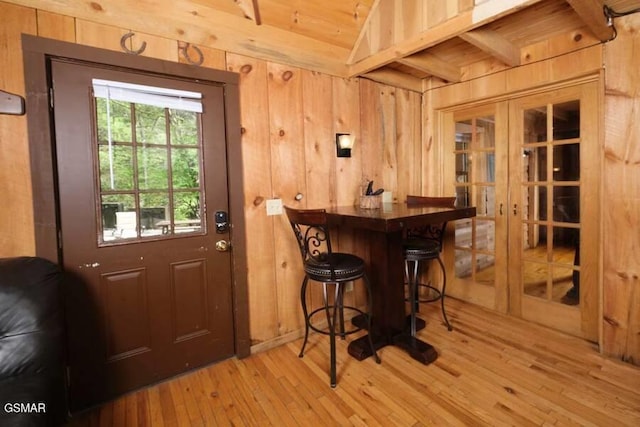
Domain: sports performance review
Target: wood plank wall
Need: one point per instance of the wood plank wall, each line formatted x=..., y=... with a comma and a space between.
x=394, y=21
x=289, y=119
x=621, y=237
x=620, y=240
x=16, y=213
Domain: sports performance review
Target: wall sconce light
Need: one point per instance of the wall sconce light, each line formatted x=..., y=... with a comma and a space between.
x=344, y=144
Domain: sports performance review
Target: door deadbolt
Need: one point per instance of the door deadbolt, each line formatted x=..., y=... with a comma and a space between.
x=222, y=222
x=222, y=246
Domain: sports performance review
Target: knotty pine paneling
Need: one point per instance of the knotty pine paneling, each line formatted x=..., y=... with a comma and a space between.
x=108, y=37
x=289, y=119
x=392, y=138
x=620, y=266
x=408, y=137
x=212, y=58
x=621, y=194
x=372, y=149
x=256, y=158
x=431, y=157
x=55, y=26
x=346, y=119
x=620, y=322
x=394, y=21
x=320, y=157
x=305, y=110
x=16, y=213
x=388, y=126
x=319, y=152
x=286, y=138
x=103, y=36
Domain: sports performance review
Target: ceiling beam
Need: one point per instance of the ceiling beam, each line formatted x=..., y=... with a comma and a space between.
x=395, y=78
x=428, y=63
x=250, y=10
x=494, y=44
x=208, y=27
x=592, y=13
x=481, y=14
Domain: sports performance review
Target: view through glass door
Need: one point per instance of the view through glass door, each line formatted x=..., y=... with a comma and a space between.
x=480, y=159
x=554, y=193
x=530, y=167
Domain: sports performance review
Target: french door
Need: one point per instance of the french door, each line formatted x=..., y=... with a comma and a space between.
x=554, y=189
x=530, y=166
x=480, y=178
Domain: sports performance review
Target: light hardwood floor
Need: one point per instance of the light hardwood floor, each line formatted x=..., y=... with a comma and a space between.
x=492, y=370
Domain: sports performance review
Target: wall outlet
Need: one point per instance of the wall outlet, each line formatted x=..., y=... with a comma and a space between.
x=387, y=197
x=348, y=287
x=274, y=207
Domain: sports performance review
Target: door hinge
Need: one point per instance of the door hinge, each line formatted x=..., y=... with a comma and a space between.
x=51, y=98
x=59, y=239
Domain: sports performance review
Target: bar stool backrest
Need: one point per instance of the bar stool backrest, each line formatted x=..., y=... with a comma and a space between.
x=312, y=233
x=433, y=232
x=428, y=201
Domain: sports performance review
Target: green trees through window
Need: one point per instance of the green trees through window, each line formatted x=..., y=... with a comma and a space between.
x=149, y=168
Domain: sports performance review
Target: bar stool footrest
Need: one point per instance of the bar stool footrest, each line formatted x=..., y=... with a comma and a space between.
x=436, y=293
x=357, y=328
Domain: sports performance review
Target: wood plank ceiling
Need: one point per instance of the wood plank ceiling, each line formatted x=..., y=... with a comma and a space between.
x=405, y=43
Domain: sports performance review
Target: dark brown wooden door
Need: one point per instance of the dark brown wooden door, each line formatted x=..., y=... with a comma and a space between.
x=139, y=186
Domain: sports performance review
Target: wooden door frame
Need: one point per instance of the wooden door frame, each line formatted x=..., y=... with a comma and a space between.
x=36, y=54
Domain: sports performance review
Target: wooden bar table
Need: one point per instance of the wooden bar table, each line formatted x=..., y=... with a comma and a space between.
x=385, y=227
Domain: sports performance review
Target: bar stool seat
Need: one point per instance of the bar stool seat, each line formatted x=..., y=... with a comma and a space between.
x=345, y=267
x=328, y=268
x=420, y=249
x=421, y=245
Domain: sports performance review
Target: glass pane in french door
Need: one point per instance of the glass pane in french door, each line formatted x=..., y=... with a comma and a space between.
x=551, y=202
x=476, y=186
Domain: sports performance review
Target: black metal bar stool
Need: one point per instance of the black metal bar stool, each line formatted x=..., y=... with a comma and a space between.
x=324, y=266
x=421, y=245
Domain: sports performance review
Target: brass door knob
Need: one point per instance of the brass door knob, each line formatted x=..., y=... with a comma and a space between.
x=222, y=246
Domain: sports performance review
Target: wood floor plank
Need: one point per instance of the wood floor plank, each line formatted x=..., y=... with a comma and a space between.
x=155, y=407
x=213, y=401
x=271, y=396
x=182, y=413
x=119, y=412
x=545, y=374
x=105, y=415
x=241, y=405
x=492, y=370
x=169, y=416
x=224, y=401
x=199, y=396
x=132, y=409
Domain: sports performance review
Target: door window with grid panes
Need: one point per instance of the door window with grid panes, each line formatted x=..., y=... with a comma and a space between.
x=149, y=162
